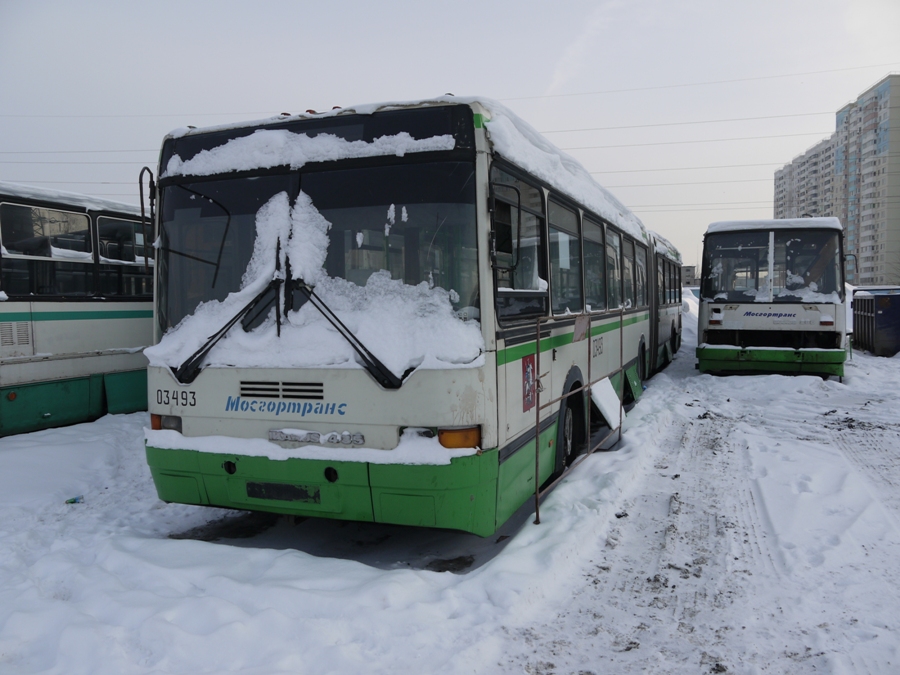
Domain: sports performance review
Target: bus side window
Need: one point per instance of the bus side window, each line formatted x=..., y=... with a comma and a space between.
x=614, y=269
x=55, y=247
x=661, y=280
x=641, y=275
x=517, y=244
x=594, y=268
x=565, y=260
x=503, y=233
x=122, y=268
x=628, y=272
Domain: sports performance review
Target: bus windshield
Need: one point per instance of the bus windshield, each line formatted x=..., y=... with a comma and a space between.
x=802, y=265
x=416, y=221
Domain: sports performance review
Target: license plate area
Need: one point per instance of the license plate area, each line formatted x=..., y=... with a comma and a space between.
x=284, y=492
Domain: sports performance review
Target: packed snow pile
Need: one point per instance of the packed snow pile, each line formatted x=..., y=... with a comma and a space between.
x=745, y=525
x=267, y=148
x=515, y=139
x=665, y=247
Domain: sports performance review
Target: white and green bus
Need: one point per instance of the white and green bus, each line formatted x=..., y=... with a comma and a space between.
x=772, y=298
x=75, y=308
x=417, y=313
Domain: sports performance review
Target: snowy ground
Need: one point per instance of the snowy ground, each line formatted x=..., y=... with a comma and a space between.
x=745, y=525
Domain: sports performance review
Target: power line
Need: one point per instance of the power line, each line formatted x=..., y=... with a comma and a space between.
x=710, y=140
x=14, y=161
x=74, y=182
x=699, y=84
x=587, y=147
x=674, y=124
x=508, y=98
x=649, y=206
x=769, y=208
x=63, y=152
x=685, y=168
x=706, y=182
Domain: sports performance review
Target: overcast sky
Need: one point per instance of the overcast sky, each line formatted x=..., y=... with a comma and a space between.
x=652, y=96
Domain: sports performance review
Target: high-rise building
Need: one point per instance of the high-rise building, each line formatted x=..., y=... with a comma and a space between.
x=854, y=175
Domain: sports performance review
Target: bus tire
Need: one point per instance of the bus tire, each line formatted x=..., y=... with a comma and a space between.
x=571, y=431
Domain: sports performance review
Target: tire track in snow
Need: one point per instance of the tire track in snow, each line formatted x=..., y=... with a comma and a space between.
x=654, y=601
x=876, y=453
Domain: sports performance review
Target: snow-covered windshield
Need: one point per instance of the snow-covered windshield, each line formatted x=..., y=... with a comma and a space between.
x=416, y=221
x=772, y=266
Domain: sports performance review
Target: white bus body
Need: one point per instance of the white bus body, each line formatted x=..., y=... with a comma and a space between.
x=772, y=297
x=76, y=308
x=521, y=255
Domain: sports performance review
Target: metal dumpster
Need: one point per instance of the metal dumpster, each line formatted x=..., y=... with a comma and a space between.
x=876, y=322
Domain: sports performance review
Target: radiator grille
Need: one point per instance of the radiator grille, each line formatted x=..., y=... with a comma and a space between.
x=312, y=391
x=304, y=391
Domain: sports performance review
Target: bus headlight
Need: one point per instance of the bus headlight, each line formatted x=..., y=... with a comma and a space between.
x=468, y=437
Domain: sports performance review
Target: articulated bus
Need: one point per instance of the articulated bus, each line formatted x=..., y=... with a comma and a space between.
x=75, y=309
x=665, y=331
x=772, y=298
x=418, y=314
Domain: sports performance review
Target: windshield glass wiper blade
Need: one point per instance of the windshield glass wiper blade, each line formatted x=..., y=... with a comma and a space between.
x=187, y=372
x=376, y=368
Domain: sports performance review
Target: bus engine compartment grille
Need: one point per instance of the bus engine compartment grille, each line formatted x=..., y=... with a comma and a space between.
x=306, y=391
x=14, y=333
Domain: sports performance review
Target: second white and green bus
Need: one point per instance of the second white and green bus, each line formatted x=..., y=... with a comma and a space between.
x=772, y=298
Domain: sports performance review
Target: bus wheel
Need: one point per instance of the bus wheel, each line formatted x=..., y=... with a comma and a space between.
x=568, y=436
x=571, y=433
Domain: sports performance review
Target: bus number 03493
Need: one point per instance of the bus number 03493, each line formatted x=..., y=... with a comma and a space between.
x=175, y=397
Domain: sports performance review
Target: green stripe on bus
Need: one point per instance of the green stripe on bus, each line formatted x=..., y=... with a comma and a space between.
x=479, y=120
x=92, y=315
x=518, y=352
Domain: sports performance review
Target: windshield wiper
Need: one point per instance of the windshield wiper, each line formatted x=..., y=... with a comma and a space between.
x=255, y=311
x=187, y=372
x=376, y=368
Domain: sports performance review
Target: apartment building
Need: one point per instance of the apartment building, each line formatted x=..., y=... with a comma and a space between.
x=854, y=175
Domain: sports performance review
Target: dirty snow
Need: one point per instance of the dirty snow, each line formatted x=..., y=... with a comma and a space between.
x=745, y=525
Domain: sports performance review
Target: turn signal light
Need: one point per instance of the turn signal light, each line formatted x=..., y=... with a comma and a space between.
x=158, y=422
x=470, y=437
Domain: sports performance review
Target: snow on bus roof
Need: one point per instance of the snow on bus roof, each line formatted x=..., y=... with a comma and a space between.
x=66, y=198
x=665, y=247
x=775, y=224
x=512, y=138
